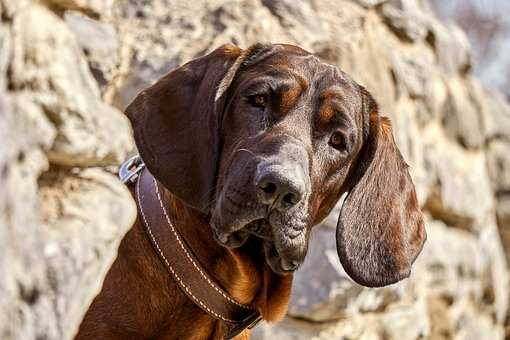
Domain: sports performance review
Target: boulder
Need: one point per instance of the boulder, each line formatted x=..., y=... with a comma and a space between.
x=465, y=199
x=462, y=115
x=49, y=63
x=99, y=43
x=92, y=8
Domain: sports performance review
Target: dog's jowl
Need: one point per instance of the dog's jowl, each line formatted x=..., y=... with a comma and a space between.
x=249, y=149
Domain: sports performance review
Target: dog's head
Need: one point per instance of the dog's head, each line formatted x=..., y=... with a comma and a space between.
x=266, y=140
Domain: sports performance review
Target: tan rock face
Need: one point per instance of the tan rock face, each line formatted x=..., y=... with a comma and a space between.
x=68, y=66
x=59, y=226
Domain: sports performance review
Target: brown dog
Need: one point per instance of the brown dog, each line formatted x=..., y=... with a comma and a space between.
x=254, y=147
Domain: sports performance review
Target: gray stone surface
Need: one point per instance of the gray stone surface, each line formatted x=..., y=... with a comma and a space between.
x=48, y=61
x=68, y=66
x=59, y=229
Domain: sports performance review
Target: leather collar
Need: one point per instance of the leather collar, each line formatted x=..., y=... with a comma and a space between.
x=179, y=259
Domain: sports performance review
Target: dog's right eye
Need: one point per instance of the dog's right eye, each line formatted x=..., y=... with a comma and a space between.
x=258, y=100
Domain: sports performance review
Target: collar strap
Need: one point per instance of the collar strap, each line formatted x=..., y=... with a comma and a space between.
x=182, y=264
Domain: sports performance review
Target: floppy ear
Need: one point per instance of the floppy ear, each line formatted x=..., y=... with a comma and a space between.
x=380, y=230
x=176, y=124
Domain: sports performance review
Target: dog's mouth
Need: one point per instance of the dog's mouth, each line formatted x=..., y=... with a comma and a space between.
x=260, y=228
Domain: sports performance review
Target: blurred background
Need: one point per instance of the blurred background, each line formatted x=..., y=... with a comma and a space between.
x=440, y=69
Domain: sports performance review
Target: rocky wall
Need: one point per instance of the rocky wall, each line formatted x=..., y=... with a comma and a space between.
x=68, y=68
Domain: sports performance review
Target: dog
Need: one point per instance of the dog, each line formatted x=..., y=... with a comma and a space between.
x=252, y=148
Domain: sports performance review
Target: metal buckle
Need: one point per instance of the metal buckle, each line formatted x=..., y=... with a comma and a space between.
x=130, y=170
x=248, y=323
x=255, y=322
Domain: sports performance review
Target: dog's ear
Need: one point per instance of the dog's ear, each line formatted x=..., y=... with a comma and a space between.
x=177, y=122
x=176, y=125
x=380, y=230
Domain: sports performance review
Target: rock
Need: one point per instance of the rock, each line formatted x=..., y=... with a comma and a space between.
x=370, y=3
x=498, y=162
x=360, y=51
x=49, y=62
x=411, y=72
x=52, y=262
x=407, y=25
x=464, y=200
x=496, y=118
x=451, y=47
x=503, y=218
x=64, y=62
x=84, y=214
x=159, y=40
x=443, y=290
x=462, y=113
x=92, y=8
x=99, y=43
x=5, y=51
x=503, y=214
x=322, y=291
x=288, y=329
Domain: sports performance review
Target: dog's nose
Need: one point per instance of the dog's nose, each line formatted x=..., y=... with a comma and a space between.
x=279, y=190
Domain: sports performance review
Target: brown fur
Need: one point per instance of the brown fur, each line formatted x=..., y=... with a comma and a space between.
x=132, y=296
x=203, y=140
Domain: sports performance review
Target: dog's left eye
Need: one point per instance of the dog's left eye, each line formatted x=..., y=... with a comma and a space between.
x=338, y=140
x=258, y=100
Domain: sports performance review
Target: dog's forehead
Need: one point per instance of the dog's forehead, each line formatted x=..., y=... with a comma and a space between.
x=320, y=75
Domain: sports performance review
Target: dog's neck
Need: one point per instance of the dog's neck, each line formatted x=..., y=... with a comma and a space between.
x=242, y=272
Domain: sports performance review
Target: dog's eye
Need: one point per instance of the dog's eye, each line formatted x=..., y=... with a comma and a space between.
x=258, y=100
x=337, y=140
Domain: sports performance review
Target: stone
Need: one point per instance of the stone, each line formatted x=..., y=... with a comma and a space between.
x=462, y=114
x=64, y=63
x=162, y=37
x=464, y=200
x=496, y=118
x=370, y=3
x=52, y=263
x=451, y=46
x=99, y=43
x=5, y=53
x=49, y=62
x=498, y=162
x=322, y=291
x=408, y=26
x=503, y=219
x=92, y=8
x=503, y=213
x=442, y=292
x=84, y=214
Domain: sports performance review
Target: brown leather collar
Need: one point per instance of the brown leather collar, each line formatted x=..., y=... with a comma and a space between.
x=182, y=263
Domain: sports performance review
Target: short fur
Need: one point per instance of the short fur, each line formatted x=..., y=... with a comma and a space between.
x=204, y=137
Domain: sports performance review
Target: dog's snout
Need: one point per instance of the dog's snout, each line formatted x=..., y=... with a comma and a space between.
x=280, y=187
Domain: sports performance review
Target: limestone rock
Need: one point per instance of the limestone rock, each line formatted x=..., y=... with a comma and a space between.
x=496, y=119
x=83, y=215
x=407, y=24
x=92, y=8
x=59, y=229
x=370, y=3
x=48, y=61
x=498, y=158
x=503, y=213
x=322, y=291
x=445, y=288
x=99, y=43
x=5, y=51
x=450, y=45
x=462, y=114
x=464, y=199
